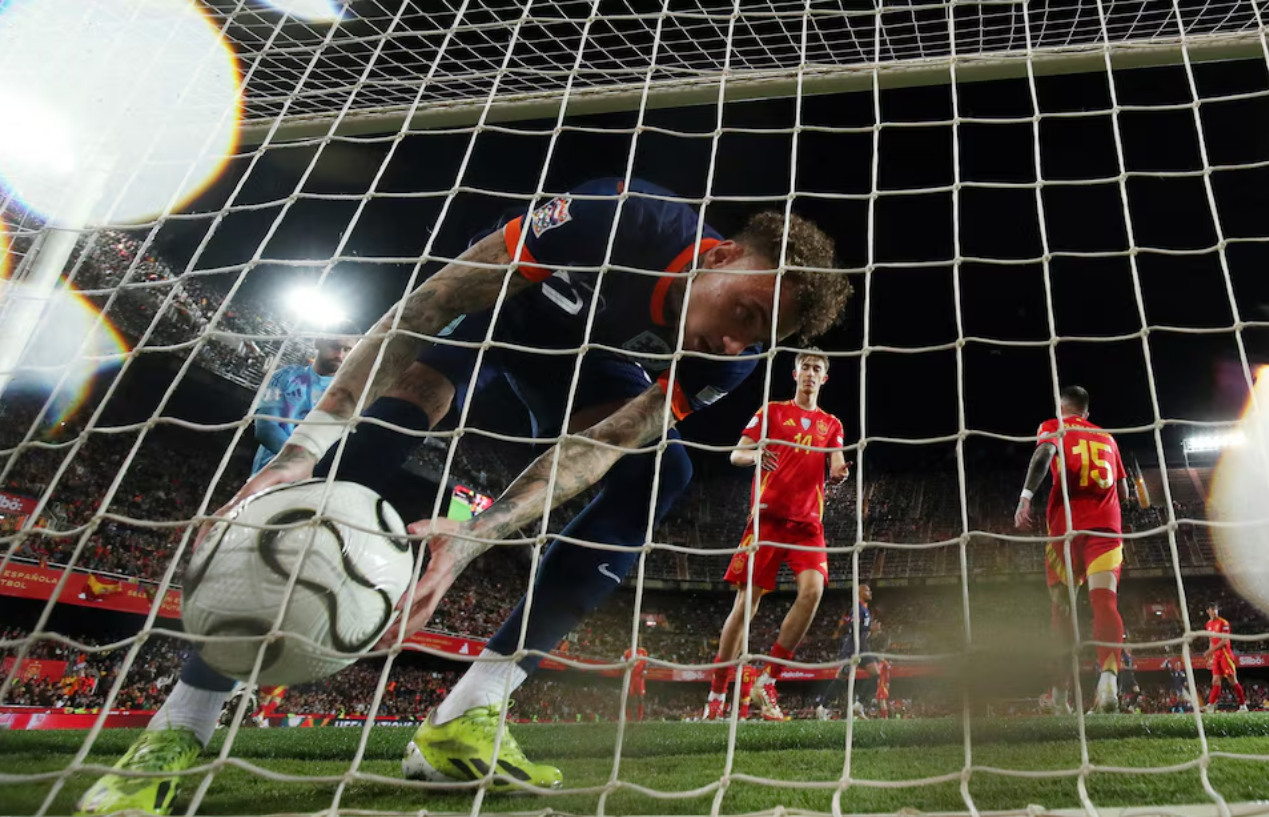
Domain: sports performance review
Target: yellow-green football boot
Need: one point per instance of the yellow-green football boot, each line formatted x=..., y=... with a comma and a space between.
x=164, y=750
x=462, y=750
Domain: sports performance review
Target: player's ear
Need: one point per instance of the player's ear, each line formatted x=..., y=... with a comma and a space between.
x=722, y=254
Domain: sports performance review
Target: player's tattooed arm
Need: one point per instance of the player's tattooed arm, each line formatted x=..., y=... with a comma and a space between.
x=583, y=459
x=1039, y=466
x=1035, y=475
x=472, y=283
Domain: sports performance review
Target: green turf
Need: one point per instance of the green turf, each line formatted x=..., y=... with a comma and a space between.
x=680, y=757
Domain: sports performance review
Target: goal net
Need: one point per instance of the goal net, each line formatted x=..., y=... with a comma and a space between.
x=1025, y=196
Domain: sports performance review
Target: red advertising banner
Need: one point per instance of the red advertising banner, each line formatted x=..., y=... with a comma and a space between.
x=16, y=505
x=86, y=590
x=33, y=668
x=33, y=717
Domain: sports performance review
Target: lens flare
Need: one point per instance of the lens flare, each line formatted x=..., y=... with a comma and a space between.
x=312, y=11
x=115, y=110
x=1239, y=502
x=6, y=262
x=69, y=319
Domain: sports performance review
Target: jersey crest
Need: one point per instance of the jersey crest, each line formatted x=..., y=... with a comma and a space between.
x=648, y=343
x=549, y=216
x=821, y=427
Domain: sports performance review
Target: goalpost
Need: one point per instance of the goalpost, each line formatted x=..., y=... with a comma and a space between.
x=387, y=75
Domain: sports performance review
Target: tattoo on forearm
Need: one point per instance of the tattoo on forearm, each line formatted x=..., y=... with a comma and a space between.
x=457, y=289
x=1039, y=467
x=581, y=465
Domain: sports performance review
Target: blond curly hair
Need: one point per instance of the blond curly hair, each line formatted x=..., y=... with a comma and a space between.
x=821, y=292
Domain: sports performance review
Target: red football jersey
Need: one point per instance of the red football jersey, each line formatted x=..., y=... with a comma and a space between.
x=1218, y=625
x=795, y=489
x=1093, y=471
x=640, y=666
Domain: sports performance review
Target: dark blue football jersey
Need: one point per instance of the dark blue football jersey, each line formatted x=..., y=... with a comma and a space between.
x=565, y=243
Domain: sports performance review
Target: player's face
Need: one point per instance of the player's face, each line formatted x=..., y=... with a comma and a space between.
x=1212, y=613
x=865, y=592
x=729, y=312
x=810, y=374
x=331, y=354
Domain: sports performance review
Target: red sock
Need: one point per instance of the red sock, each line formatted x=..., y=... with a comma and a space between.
x=1239, y=695
x=747, y=677
x=718, y=684
x=773, y=669
x=1214, y=695
x=1107, y=626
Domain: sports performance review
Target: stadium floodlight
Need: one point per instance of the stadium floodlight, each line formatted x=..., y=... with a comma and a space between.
x=314, y=308
x=312, y=11
x=1215, y=441
x=144, y=92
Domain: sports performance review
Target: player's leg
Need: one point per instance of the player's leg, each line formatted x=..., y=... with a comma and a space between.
x=731, y=638
x=1061, y=626
x=1214, y=696
x=1103, y=558
x=832, y=692
x=572, y=581
x=1232, y=674
x=810, y=567
x=796, y=622
x=419, y=399
x=175, y=736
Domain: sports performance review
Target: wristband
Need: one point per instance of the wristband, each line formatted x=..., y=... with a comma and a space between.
x=1027, y=494
x=315, y=438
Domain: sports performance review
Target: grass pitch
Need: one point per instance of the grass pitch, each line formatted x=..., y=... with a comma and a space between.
x=689, y=759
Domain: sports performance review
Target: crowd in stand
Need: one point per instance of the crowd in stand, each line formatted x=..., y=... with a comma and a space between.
x=150, y=490
x=89, y=674
x=150, y=296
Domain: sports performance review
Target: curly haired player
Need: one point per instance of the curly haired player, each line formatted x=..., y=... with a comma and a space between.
x=613, y=257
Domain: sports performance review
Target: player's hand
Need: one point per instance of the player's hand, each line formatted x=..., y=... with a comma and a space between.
x=838, y=477
x=1022, y=516
x=448, y=556
x=769, y=459
x=292, y=464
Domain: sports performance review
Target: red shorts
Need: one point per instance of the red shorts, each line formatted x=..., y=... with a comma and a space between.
x=1089, y=554
x=1223, y=664
x=768, y=559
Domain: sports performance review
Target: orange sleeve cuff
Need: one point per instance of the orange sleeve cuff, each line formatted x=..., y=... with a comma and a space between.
x=525, y=263
x=678, y=399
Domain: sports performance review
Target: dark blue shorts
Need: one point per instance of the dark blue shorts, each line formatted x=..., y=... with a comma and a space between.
x=847, y=651
x=540, y=380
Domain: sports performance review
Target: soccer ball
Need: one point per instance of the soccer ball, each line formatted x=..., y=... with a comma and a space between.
x=353, y=565
x=1239, y=501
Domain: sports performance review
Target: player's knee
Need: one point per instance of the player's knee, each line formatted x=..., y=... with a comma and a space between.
x=810, y=594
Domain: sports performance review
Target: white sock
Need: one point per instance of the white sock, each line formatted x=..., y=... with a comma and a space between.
x=717, y=696
x=484, y=683
x=190, y=708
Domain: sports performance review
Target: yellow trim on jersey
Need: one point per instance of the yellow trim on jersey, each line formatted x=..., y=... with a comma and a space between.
x=1107, y=561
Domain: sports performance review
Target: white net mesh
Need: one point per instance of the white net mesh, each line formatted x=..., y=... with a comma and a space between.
x=1005, y=238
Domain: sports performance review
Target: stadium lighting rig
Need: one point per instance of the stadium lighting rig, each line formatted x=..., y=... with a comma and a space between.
x=1215, y=441
x=313, y=307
